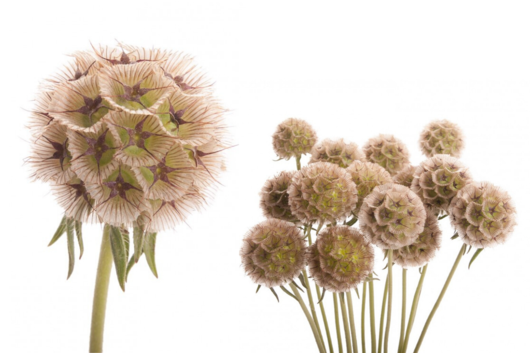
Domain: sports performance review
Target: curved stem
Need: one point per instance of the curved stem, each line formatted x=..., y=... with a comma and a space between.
x=100, y=293
x=363, y=306
x=372, y=314
x=320, y=344
x=337, y=322
x=345, y=323
x=442, y=293
x=383, y=308
x=389, y=310
x=403, y=310
x=413, y=309
x=352, y=322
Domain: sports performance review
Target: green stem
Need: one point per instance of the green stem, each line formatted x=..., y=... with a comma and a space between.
x=431, y=315
x=403, y=310
x=298, y=164
x=363, y=306
x=372, y=314
x=352, y=322
x=324, y=318
x=337, y=322
x=383, y=308
x=318, y=340
x=389, y=310
x=413, y=309
x=312, y=304
x=345, y=322
x=100, y=293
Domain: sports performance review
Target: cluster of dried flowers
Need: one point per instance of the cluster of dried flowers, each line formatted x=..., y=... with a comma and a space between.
x=398, y=207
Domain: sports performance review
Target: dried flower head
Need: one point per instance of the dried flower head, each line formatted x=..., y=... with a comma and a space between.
x=275, y=198
x=293, y=138
x=366, y=177
x=322, y=192
x=273, y=253
x=340, y=259
x=337, y=152
x=405, y=176
x=387, y=151
x=424, y=248
x=483, y=215
x=441, y=137
x=438, y=179
x=392, y=216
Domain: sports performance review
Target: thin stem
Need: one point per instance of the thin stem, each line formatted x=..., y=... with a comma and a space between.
x=363, y=306
x=352, y=322
x=383, y=308
x=318, y=340
x=403, y=310
x=442, y=293
x=413, y=309
x=337, y=322
x=312, y=304
x=345, y=322
x=298, y=164
x=372, y=314
x=100, y=293
x=389, y=310
x=324, y=318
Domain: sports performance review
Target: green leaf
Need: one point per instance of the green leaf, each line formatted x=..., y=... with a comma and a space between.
x=288, y=293
x=357, y=291
x=126, y=241
x=301, y=278
x=138, y=239
x=322, y=297
x=276, y=295
x=257, y=289
x=454, y=236
x=297, y=286
x=59, y=232
x=149, y=250
x=129, y=266
x=70, y=244
x=79, y=233
x=119, y=253
x=475, y=255
x=442, y=217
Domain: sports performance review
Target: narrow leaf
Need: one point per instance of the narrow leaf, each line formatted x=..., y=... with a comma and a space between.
x=257, y=289
x=297, y=286
x=357, y=291
x=119, y=254
x=276, y=295
x=288, y=293
x=129, y=266
x=71, y=246
x=468, y=250
x=475, y=255
x=138, y=239
x=322, y=297
x=59, y=232
x=149, y=250
x=454, y=236
x=79, y=233
x=442, y=217
x=126, y=241
x=301, y=278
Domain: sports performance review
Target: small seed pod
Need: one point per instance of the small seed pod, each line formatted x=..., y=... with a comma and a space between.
x=275, y=199
x=441, y=137
x=322, y=192
x=405, y=176
x=366, y=177
x=438, y=179
x=483, y=215
x=340, y=259
x=293, y=138
x=424, y=248
x=392, y=216
x=337, y=152
x=387, y=151
x=273, y=253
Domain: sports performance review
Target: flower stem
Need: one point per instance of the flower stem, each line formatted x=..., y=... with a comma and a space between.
x=320, y=344
x=324, y=318
x=345, y=322
x=403, y=310
x=337, y=322
x=312, y=304
x=352, y=322
x=363, y=306
x=383, y=307
x=413, y=309
x=440, y=297
x=298, y=164
x=372, y=314
x=100, y=293
x=389, y=310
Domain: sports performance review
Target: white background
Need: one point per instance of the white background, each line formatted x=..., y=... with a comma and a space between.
x=352, y=70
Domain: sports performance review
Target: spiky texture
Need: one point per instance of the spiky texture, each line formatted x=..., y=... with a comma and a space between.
x=392, y=216
x=387, y=151
x=322, y=192
x=126, y=131
x=483, y=215
x=405, y=176
x=424, y=248
x=337, y=152
x=367, y=176
x=438, y=179
x=340, y=259
x=274, y=198
x=441, y=137
x=293, y=138
x=273, y=253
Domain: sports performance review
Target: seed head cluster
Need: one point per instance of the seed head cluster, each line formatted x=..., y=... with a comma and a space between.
x=441, y=137
x=337, y=152
x=293, y=138
x=387, y=151
x=367, y=176
x=275, y=199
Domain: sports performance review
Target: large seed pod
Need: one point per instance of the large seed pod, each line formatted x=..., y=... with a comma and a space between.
x=274, y=198
x=366, y=177
x=483, y=215
x=392, y=216
x=322, y=192
x=438, y=179
x=337, y=152
x=340, y=259
x=387, y=151
x=293, y=138
x=273, y=253
x=441, y=137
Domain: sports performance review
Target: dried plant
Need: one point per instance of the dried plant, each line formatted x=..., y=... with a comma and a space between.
x=275, y=198
x=387, y=151
x=293, y=138
x=405, y=176
x=337, y=152
x=441, y=137
x=366, y=177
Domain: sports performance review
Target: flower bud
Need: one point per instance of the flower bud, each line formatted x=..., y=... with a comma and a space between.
x=293, y=138
x=441, y=137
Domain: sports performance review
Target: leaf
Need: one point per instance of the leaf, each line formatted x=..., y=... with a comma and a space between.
x=79, y=233
x=322, y=297
x=454, y=236
x=276, y=295
x=257, y=289
x=475, y=255
x=149, y=250
x=297, y=286
x=138, y=240
x=301, y=278
x=357, y=291
x=468, y=250
x=59, y=232
x=119, y=254
x=70, y=244
x=130, y=265
x=442, y=217
x=288, y=293
x=126, y=241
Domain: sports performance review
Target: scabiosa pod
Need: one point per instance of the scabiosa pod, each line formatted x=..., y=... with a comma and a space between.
x=131, y=138
x=405, y=176
x=274, y=198
x=293, y=138
x=337, y=152
x=387, y=151
x=367, y=176
x=441, y=137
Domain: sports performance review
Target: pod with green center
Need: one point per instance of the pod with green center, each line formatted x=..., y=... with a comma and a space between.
x=441, y=137
x=337, y=152
x=367, y=176
x=387, y=151
x=293, y=138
